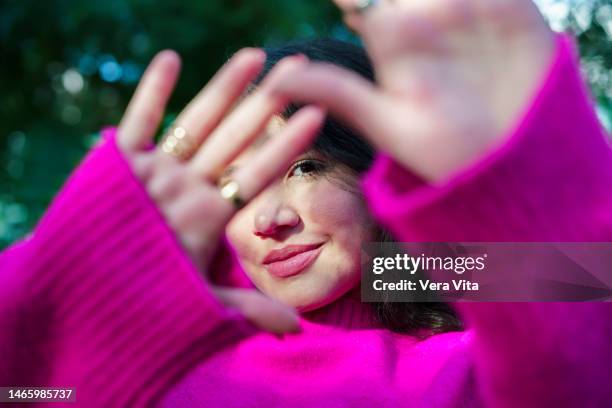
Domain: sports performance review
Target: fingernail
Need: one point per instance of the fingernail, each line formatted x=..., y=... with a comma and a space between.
x=300, y=57
x=168, y=54
x=259, y=54
x=295, y=60
x=168, y=60
x=250, y=53
x=316, y=110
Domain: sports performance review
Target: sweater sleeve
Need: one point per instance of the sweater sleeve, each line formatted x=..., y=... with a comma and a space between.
x=549, y=182
x=102, y=297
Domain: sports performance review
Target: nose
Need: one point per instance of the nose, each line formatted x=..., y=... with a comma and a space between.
x=274, y=217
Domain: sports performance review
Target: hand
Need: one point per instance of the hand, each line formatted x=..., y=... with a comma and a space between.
x=185, y=190
x=453, y=78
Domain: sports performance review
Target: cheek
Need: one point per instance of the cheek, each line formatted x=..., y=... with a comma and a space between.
x=341, y=213
x=343, y=218
x=326, y=211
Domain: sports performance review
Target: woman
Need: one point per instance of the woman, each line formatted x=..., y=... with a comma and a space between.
x=316, y=210
x=103, y=296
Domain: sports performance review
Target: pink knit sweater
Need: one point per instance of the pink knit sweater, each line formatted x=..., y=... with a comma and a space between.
x=101, y=296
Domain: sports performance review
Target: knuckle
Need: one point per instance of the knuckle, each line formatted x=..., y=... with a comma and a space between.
x=164, y=184
x=160, y=189
x=181, y=214
x=142, y=166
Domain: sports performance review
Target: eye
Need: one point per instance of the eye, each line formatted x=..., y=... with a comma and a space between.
x=306, y=167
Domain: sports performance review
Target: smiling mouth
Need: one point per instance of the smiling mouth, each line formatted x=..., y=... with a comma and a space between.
x=291, y=260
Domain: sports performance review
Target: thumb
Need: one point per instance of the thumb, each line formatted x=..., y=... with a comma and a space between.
x=264, y=312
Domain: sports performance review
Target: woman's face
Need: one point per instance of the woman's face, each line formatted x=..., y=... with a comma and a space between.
x=300, y=240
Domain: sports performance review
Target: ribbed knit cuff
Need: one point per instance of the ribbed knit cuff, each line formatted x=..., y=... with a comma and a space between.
x=130, y=312
x=549, y=181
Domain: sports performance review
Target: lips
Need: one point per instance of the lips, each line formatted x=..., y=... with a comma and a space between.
x=292, y=259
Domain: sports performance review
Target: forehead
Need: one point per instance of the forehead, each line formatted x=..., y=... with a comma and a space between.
x=274, y=127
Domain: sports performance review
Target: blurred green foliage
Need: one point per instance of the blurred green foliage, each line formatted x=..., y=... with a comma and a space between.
x=69, y=67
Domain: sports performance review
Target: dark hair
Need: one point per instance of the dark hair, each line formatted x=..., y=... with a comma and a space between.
x=343, y=145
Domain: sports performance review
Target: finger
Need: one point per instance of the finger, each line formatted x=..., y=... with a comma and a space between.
x=273, y=158
x=347, y=95
x=415, y=21
x=276, y=155
x=386, y=121
x=354, y=15
x=362, y=6
x=243, y=125
x=264, y=312
x=146, y=108
x=211, y=104
x=408, y=128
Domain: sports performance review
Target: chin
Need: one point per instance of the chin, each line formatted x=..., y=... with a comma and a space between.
x=301, y=300
x=312, y=289
x=309, y=296
x=312, y=304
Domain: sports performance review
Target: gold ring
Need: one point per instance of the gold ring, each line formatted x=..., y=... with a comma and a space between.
x=178, y=143
x=230, y=190
x=361, y=6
